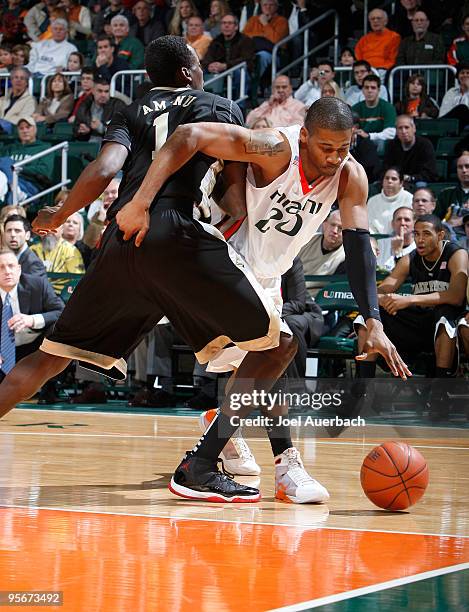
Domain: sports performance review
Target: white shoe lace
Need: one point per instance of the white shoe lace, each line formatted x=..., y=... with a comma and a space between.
x=242, y=448
x=295, y=468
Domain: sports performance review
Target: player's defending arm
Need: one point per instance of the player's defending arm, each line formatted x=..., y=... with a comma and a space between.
x=230, y=190
x=265, y=148
x=90, y=185
x=361, y=264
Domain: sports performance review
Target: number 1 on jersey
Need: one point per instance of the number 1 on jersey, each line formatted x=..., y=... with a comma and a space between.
x=161, y=132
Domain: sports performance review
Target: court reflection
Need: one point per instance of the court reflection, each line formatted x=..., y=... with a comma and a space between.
x=122, y=563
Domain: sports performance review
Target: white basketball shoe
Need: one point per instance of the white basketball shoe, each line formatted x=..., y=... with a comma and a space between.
x=237, y=456
x=293, y=484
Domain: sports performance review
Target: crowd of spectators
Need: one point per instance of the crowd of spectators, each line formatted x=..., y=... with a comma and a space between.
x=96, y=40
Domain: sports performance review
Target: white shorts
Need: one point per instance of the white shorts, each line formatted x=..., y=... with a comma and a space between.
x=230, y=358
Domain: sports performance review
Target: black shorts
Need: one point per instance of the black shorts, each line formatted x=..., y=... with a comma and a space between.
x=413, y=330
x=184, y=270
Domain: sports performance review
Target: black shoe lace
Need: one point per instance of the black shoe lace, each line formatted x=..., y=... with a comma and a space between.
x=224, y=470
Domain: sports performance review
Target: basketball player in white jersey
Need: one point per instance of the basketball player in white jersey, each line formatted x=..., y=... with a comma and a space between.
x=294, y=176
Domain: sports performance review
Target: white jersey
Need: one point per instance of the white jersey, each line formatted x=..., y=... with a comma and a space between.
x=283, y=216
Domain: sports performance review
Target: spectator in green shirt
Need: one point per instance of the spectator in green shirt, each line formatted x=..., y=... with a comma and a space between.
x=127, y=47
x=377, y=117
x=36, y=175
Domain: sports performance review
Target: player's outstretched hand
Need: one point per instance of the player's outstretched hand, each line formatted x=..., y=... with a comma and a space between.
x=378, y=342
x=47, y=220
x=133, y=219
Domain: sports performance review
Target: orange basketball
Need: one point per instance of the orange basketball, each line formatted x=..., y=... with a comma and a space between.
x=394, y=475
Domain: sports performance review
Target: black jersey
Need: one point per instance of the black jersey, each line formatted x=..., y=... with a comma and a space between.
x=430, y=276
x=144, y=126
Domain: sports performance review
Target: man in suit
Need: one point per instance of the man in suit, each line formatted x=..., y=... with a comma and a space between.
x=29, y=309
x=16, y=234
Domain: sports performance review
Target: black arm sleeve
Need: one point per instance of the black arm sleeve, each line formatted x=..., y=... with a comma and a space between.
x=360, y=264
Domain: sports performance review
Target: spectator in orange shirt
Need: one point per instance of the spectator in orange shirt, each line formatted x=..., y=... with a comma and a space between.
x=266, y=29
x=380, y=46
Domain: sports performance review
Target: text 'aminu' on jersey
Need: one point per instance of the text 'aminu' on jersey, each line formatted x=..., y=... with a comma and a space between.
x=145, y=125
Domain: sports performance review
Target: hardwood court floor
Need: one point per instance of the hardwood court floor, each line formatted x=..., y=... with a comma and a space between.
x=84, y=509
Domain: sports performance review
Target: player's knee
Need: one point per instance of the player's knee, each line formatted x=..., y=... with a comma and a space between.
x=288, y=346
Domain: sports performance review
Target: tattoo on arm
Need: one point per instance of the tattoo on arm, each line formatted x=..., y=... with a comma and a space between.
x=264, y=144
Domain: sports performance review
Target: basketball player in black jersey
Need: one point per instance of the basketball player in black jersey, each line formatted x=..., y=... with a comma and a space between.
x=183, y=270
x=428, y=319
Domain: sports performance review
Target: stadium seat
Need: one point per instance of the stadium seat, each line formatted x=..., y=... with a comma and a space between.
x=89, y=150
x=445, y=146
x=442, y=169
x=437, y=127
x=63, y=130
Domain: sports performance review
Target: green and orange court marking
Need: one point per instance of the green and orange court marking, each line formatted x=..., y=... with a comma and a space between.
x=123, y=562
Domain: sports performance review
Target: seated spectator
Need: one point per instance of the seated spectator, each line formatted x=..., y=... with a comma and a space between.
x=96, y=112
x=281, y=109
x=51, y=55
x=310, y=91
x=303, y=316
x=29, y=309
x=423, y=47
x=115, y=7
x=423, y=202
x=177, y=20
x=197, y=38
x=127, y=47
x=7, y=211
x=354, y=93
x=107, y=63
x=86, y=89
x=98, y=209
x=218, y=9
x=75, y=63
x=453, y=202
x=402, y=18
x=266, y=30
x=427, y=320
x=11, y=22
x=382, y=205
x=17, y=102
x=455, y=103
x=16, y=235
x=459, y=50
x=324, y=253
x=20, y=55
x=73, y=231
x=380, y=46
x=346, y=60
x=6, y=57
x=365, y=151
x=347, y=57
x=36, y=175
x=146, y=28
x=225, y=51
x=261, y=124
x=414, y=155
x=37, y=19
x=58, y=255
x=58, y=103
x=416, y=102
x=377, y=117
x=332, y=90
x=79, y=19
x=400, y=243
